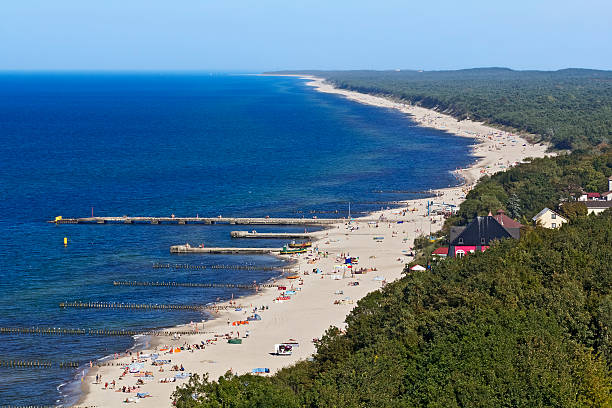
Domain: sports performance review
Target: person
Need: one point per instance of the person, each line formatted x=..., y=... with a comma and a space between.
x=105, y=385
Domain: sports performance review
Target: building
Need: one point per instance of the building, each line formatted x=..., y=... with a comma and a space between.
x=547, y=218
x=441, y=252
x=607, y=196
x=506, y=221
x=478, y=235
x=596, y=207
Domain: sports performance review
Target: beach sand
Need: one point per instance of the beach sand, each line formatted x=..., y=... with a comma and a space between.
x=317, y=304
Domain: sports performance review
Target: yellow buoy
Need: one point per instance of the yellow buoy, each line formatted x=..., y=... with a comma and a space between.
x=65, y=241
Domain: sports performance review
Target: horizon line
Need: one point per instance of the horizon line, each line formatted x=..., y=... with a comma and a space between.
x=253, y=71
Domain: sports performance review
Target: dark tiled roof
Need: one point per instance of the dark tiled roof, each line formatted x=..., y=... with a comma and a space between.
x=598, y=204
x=481, y=227
x=454, y=232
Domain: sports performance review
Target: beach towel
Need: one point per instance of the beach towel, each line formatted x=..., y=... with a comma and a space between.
x=136, y=367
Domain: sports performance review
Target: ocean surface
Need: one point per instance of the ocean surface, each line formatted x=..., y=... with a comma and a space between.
x=162, y=144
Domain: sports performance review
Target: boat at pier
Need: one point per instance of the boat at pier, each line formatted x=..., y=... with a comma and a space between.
x=285, y=250
x=307, y=244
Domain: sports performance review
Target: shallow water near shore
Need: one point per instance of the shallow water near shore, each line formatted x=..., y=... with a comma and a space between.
x=161, y=144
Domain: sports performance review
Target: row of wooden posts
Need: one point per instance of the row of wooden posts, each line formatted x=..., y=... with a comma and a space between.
x=196, y=284
x=44, y=406
x=55, y=331
x=37, y=364
x=141, y=306
x=238, y=267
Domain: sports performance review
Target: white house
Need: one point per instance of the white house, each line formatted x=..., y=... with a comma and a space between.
x=596, y=207
x=607, y=196
x=547, y=218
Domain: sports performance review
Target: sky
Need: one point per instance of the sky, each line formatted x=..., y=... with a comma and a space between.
x=261, y=35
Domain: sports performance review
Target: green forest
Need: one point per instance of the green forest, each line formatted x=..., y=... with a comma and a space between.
x=525, y=324
x=570, y=108
x=524, y=190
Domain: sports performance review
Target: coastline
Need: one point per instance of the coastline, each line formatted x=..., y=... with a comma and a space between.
x=312, y=309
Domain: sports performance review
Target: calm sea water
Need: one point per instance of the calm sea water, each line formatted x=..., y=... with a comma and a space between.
x=161, y=144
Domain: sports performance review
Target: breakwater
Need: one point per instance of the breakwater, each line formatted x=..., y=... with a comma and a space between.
x=196, y=284
x=217, y=266
x=141, y=306
x=270, y=235
x=61, y=364
x=56, y=331
x=197, y=220
x=188, y=249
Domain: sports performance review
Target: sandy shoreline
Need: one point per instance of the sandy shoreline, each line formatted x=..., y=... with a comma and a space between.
x=317, y=303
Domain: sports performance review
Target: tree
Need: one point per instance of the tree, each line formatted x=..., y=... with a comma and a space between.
x=514, y=206
x=572, y=210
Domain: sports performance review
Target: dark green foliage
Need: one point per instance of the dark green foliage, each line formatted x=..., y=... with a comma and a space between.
x=526, y=189
x=246, y=391
x=514, y=207
x=524, y=324
x=571, y=108
x=574, y=210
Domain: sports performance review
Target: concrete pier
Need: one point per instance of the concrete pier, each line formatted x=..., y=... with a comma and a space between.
x=197, y=220
x=184, y=249
x=268, y=235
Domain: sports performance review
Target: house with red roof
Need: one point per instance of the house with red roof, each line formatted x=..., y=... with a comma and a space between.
x=478, y=235
x=441, y=252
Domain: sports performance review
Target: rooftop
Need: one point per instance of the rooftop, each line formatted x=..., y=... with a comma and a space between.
x=598, y=204
x=440, y=251
x=506, y=221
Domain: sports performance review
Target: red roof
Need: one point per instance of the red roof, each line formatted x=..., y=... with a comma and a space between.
x=506, y=221
x=440, y=251
x=593, y=195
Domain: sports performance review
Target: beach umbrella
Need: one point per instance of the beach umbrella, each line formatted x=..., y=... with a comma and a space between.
x=417, y=268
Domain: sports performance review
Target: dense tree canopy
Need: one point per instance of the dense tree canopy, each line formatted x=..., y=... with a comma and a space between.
x=526, y=189
x=571, y=108
x=525, y=324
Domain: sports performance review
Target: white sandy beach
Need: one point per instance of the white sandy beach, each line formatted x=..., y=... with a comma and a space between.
x=317, y=304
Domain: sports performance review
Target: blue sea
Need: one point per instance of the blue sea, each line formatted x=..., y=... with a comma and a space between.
x=161, y=144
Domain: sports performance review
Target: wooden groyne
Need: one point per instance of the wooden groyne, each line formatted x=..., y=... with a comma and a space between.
x=57, y=331
x=196, y=285
x=218, y=266
x=188, y=249
x=271, y=235
x=197, y=220
x=140, y=306
x=47, y=364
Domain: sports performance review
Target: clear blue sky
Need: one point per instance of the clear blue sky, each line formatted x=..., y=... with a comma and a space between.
x=256, y=35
